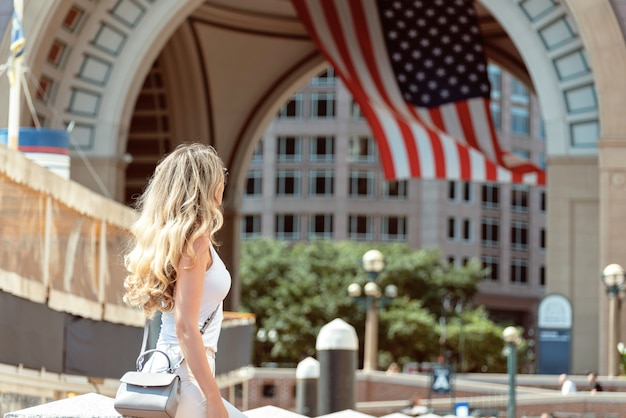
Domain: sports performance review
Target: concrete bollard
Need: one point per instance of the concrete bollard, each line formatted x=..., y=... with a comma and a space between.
x=337, y=350
x=307, y=376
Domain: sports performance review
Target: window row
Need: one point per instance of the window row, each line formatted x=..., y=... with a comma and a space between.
x=490, y=235
x=322, y=226
x=290, y=149
x=490, y=197
x=518, y=271
x=321, y=183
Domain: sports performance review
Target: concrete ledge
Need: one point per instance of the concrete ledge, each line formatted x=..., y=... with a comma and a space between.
x=89, y=405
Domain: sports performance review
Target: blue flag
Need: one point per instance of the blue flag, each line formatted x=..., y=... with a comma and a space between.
x=17, y=36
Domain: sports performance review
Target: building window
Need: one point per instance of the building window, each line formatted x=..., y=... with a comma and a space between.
x=321, y=183
x=519, y=271
x=289, y=148
x=520, y=121
x=542, y=201
x=490, y=196
x=467, y=191
x=466, y=232
x=542, y=239
x=395, y=189
x=257, y=155
x=490, y=232
x=360, y=228
x=361, y=184
x=452, y=190
x=321, y=226
x=362, y=149
x=394, y=228
x=451, y=228
x=327, y=78
x=492, y=264
x=496, y=115
x=355, y=111
x=254, y=183
x=519, y=236
x=288, y=183
x=519, y=92
x=322, y=105
x=293, y=108
x=322, y=149
x=288, y=226
x=251, y=226
x=519, y=198
x=542, y=276
x=495, y=79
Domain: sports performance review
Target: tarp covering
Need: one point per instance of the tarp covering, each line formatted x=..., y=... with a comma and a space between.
x=61, y=243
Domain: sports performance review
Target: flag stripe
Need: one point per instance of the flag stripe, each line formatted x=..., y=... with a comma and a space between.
x=454, y=139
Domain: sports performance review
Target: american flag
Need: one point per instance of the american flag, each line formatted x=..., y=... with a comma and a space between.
x=418, y=71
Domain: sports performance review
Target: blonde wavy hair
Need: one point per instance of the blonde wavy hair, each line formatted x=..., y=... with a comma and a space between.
x=177, y=207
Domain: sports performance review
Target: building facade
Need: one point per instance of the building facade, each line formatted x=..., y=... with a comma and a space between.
x=315, y=174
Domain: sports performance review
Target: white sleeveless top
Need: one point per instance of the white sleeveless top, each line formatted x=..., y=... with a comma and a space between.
x=216, y=286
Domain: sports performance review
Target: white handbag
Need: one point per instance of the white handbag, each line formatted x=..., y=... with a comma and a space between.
x=148, y=394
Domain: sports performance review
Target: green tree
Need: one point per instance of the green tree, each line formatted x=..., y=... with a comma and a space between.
x=295, y=289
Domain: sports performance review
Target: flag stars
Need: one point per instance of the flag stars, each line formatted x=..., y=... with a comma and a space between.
x=435, y=50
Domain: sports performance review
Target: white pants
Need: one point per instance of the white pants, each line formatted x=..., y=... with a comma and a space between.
x=192, y=403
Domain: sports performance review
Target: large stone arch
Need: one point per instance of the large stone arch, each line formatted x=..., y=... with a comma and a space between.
x=94, y=69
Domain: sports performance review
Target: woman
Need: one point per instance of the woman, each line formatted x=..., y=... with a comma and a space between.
x=173, y=267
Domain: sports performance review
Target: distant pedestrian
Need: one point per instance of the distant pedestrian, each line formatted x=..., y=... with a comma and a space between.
x=567, y=386
x=414, y=408
x=594, y=385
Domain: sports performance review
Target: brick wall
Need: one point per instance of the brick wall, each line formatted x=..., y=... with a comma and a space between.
x=379, y=394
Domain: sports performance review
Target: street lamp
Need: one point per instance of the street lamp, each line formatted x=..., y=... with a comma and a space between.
x=613, y=279
x=511, y=337
x=373, y=263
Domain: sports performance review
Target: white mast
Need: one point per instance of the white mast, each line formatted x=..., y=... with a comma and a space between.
x=15, y=74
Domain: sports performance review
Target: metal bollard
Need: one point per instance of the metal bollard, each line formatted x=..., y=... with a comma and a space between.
x=307, y=376
x=337, y=350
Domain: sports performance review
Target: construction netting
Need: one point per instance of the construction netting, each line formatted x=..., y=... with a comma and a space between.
x=62, y=244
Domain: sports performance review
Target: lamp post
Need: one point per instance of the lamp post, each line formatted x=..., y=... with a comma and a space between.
x=613, y=279
x=511, y=337
x=373, y=263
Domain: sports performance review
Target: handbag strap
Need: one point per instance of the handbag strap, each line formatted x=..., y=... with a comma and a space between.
x=146, y=329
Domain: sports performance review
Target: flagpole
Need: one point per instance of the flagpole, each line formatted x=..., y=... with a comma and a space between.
x=15, y=75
